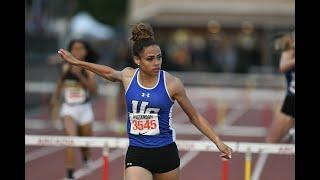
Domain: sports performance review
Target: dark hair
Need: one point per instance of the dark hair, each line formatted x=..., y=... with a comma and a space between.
x=142, y=36
x=92, y=56
x=280, y=41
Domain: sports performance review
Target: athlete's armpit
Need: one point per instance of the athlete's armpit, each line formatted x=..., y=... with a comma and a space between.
x=126, y=76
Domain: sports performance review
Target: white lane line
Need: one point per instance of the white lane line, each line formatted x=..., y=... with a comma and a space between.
x=187, y=158
x=41, y=152
x=230, y=118
x=181, y=116
x=259, y=166
x=233, y=116
x=98, y=163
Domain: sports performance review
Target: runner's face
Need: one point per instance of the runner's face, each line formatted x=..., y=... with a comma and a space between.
x=150, y=60
x=79, y=51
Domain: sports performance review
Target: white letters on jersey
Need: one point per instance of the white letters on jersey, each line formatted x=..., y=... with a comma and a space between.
x=145, y=122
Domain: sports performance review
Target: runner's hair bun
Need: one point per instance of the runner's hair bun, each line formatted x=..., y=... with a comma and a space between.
x=141, y=31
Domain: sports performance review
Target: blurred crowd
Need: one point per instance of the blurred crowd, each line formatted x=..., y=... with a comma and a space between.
x=211, y=49
x=200, y=53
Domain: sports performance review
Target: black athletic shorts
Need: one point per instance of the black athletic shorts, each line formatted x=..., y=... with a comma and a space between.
x=288, y=106
x=155, y=160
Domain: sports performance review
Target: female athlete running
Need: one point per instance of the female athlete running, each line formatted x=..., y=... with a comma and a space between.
x=77, y=85
x=150, y=94
x=285, y=119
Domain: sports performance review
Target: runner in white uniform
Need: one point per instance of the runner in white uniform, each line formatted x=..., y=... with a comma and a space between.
x=77, y=84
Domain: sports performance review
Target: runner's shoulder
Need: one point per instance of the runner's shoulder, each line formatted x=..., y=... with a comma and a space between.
x=173, y=82
x=128, y=72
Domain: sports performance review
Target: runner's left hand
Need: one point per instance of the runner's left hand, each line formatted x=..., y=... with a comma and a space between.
x=226, y=150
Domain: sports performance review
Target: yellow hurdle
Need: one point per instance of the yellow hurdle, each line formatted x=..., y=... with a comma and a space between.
x=247, y=170
x=221, y=112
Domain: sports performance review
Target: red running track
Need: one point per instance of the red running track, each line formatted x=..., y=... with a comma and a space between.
x=199, y=165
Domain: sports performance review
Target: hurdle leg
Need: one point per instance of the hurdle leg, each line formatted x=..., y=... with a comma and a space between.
x=105, y=162
x=247, y=171
x=225, y=169
x=221, y=112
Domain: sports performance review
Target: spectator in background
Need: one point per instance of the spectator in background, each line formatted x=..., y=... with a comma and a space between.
x=78, y=85
x=181, y=58
x=198, y=54
x=247, y=53
x=178, y=50
x=285, y=119
x=225, y=56
x=230, y=59
x=213, y=46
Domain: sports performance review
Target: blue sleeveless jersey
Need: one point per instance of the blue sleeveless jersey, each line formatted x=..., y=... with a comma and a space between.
x=155, y=100
x=290, y=78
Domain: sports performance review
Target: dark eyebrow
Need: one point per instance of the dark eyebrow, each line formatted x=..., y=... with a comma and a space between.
x=154, y=56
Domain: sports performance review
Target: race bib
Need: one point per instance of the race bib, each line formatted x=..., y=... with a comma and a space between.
x=292, y=84
x=74, y=94
x=144, y=124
